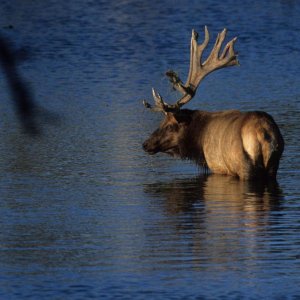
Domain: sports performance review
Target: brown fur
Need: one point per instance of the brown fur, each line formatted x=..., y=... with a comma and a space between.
x=243, y=144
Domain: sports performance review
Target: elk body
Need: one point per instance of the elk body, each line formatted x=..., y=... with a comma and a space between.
x=244, y=144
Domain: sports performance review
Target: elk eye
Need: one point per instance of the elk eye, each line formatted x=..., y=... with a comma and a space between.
x=171, y=128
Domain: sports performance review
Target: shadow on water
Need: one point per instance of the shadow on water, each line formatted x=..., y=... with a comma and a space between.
x=26, y=108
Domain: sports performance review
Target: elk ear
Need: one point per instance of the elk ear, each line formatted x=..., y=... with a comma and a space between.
x=183, y=117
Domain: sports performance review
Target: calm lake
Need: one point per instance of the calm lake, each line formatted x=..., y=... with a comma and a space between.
x=85, y=213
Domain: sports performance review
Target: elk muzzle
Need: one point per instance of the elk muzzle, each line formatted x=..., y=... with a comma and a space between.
x=149, y=147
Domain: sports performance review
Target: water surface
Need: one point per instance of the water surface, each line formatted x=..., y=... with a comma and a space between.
x=85, y=213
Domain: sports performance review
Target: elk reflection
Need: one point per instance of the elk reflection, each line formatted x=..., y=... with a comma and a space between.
x=221, y=216
x=217, y=190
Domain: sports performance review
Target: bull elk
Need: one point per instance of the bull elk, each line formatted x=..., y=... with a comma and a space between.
x=244, y=144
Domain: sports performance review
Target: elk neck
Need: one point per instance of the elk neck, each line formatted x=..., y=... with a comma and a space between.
x=191, y=143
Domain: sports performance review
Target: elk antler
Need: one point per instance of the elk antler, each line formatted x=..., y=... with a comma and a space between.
x=197, y=70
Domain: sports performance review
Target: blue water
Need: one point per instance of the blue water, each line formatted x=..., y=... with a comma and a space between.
x=85, y=213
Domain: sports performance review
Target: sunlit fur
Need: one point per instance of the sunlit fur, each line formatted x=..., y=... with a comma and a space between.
x=243, y=144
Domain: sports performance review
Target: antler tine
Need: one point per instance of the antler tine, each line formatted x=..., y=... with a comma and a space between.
x=197, y=51
x=159, y=102
x=205, y=42
x=229, y=51
x=160, y=105
x=216, y=49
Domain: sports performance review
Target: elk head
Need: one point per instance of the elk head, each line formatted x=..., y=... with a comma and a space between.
x=169, y=137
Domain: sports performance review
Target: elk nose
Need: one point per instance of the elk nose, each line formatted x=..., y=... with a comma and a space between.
x=145, y=145
x=148, y=147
